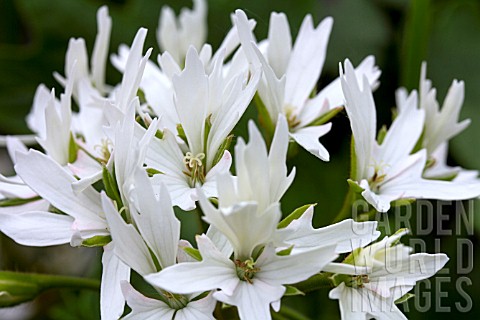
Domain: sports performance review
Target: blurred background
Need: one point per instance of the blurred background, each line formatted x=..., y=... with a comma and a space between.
x=399, y=33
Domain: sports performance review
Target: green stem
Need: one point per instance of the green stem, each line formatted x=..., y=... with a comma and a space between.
x=316, y=282
x=49, y=281
x=415, y=42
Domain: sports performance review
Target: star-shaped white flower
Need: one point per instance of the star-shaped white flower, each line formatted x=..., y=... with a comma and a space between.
x=291, y=75
x=388, y=171
x=392, y=273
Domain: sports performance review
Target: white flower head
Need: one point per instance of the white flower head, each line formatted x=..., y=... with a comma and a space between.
x=388, y=171
x=291, y=74
x=386, y=271
x=177, y=35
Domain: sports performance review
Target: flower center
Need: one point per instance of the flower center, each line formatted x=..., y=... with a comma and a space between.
x=175, y=301
x=378, y=175
x=246, y=270
x=291, y=117
x=104, y=149
x=358, y=281
x=195, y=169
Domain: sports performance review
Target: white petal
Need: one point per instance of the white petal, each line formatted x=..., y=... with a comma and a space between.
x=252, y=300
x=100, y=48
x=309, y=137
x=278, y=270
x=306, y=61
x=37, y=228
x=144, y=308
x=129, y=245
x=191, y=98
x=114, y=272
x=54, y=184
x=214, y=271
x=279, y=43
x=360, y=108
x=156, y=220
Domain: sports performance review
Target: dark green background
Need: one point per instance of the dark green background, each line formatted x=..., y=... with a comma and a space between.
x=400, y=33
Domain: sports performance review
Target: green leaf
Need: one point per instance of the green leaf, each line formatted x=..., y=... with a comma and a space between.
x=264, y=118
x=111, y=188
x=72, y=150
x=17, y=201
x=326, y=117
x=404, y=298
x=181, y=133
x=285, y=252
x=292, y=291
x=96, y=241
x=297, y=213
x=194, y=253
x=221, y=150
x=381, y=134
x=354, y=186
x=152, y=171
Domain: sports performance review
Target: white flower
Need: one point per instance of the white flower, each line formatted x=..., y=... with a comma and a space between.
x=260, y=176
x=208, y=110
x=150, y=242
x=291, y=75
x=176, y=36
x=251, y=285
x=388, y=171
x=441, y=125
x=392, y=273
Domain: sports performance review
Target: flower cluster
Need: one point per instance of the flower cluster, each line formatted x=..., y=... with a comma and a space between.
x=110, y=172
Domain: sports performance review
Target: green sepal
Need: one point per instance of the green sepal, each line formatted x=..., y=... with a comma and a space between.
x=350, y=259
x=96, y=241
x=338, y=278
x=111, y=188
x=354, y=186
x=404, y=298
x=194, y=253
x=292, y=291
x=221, y=150
x=353, y=160
x=264, y=118
x=181, y=133
x=419, y=144
x=297, y=213
x=159, y=134
x=141, y=96
x=72, y=150
x=381, y=134
x=208, y=126
x=402, y=202
x=401, y=230
x=324, y=118
x=152, y=171
x=214, y=201
x=17, y=201
x=285, y=252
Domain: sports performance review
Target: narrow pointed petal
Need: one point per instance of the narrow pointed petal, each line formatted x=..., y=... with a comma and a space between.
x=214, y=271
x=309, y=137
x=36, y=228
x=129, y=245
x=114, y=272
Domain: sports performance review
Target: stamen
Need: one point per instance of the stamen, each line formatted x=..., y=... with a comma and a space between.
x=195, y=169
x=104, y=149
x=246, y=270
